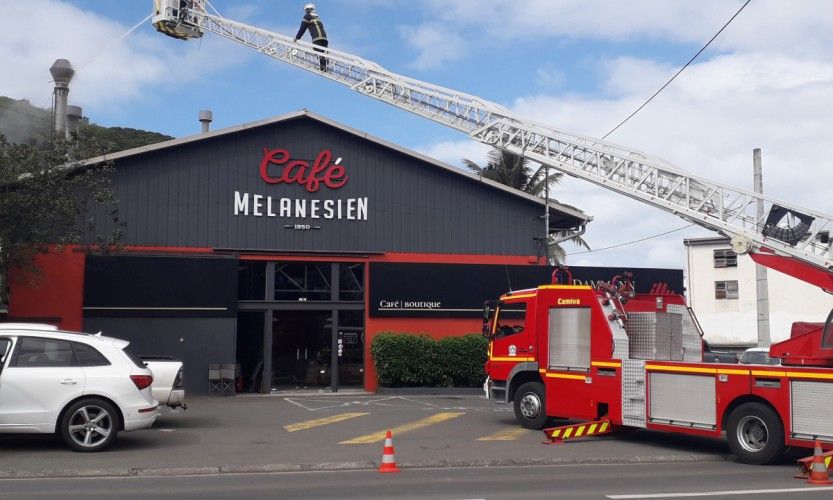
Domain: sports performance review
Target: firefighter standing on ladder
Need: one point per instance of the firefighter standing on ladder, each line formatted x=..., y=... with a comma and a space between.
x=312, y=22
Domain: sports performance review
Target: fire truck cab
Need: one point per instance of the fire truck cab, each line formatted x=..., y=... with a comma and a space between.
x=635, y=360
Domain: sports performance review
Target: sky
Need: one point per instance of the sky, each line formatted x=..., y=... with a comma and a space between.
x=578, y=65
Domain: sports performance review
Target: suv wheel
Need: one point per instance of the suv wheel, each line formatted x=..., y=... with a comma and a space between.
x=89, y=425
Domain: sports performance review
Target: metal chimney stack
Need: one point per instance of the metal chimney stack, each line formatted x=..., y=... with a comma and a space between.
x=205, y=118
x=62, y=73
x=74, y=115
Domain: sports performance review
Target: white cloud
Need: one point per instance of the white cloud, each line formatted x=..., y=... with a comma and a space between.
x=435, y=45
x=108, y=71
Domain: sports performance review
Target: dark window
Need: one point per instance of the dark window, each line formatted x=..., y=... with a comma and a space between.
x=726, y=289
x=351, y=282
x=725, y=258
x=510, y=319
x=4, y=349
x=88, y=355
x=134, y=358
x=42, y=352
x=251, y=281
x=302, y=281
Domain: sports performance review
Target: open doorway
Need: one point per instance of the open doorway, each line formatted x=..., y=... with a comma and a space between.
x=250, y=326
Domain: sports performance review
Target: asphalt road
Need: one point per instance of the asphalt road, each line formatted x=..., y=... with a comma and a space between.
x=325, y=432
x=615, y=482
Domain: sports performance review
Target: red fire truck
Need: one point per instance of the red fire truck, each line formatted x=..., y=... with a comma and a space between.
x=635, y=359
x=571, y=351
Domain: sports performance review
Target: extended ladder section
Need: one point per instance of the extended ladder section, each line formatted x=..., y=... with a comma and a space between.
x=785, y=229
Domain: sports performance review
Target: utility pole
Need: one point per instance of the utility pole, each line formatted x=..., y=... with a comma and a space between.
x=761, y=284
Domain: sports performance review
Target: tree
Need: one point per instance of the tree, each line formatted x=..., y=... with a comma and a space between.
x=47, y=196
x=518, y=172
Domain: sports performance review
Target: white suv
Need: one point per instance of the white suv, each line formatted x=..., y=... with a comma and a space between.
x=85, y=388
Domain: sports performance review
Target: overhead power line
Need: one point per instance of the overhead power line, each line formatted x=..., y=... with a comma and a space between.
x=632, y=242
x=637, y=110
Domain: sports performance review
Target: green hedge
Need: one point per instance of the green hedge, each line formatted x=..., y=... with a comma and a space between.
x=416, y=360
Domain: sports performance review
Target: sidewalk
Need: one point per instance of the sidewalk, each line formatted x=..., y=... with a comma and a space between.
x=247, y=434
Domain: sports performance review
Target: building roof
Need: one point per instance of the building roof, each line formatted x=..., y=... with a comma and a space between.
x=571, y=217
x=707, y=240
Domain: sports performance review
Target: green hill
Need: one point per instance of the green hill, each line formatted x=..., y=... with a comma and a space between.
x=22, y=122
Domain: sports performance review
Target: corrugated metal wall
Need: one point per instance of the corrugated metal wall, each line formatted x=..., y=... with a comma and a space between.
x=184, y=196
x=197, y=342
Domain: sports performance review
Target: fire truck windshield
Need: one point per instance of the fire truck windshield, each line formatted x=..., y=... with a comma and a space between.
x=502, y=319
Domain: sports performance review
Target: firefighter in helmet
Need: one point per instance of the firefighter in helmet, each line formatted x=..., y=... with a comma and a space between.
x=313, y=23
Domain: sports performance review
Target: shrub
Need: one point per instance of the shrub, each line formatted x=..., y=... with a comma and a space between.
x=410, y=360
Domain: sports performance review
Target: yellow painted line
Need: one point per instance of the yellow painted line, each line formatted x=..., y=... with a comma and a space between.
x=603, y=427
x=564, y=375
x=564, y=287
x=580, y=431
x=521, y=296
x=309, y=424
x=726, y=371
x=606, y=364
x=685, y=369
x=419, y=424
x=510, y=358
x=568, y=432
x=759, y=373
x=556, y=433
x=505, y=435
x=809, y=375
x=592, y=428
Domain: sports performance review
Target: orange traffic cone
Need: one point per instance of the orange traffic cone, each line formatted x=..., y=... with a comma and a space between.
x=818, y=471
x=388, y=460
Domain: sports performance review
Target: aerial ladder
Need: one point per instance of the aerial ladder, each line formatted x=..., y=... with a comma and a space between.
x=788, y=238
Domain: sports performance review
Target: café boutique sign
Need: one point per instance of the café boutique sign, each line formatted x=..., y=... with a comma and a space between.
x=278, y=167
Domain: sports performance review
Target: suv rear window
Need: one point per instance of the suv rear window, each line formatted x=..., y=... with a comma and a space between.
x=134, y=358
x=88, y=355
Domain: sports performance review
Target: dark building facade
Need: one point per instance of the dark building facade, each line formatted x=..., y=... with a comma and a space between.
x=285, y=245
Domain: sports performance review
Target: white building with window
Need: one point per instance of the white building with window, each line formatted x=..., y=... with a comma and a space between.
x=720, y=287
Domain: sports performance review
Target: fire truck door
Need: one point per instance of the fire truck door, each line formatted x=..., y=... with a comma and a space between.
x=513, y=339
x=569, y=382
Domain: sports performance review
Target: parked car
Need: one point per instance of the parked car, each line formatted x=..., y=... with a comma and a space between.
x=84, y=388
x=758, y=356
x=167, y=380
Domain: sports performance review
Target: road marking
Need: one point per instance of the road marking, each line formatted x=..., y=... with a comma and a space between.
x=313, y=404
x=719, y=493
x=505, y=435
x=419, y=424
x=300, y=426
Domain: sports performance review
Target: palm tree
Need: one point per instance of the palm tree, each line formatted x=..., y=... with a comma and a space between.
x=516, y=171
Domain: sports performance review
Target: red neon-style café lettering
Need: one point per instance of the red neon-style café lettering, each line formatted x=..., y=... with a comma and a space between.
x=331, y=175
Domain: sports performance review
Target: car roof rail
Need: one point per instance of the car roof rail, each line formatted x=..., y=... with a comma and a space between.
x=28, y=326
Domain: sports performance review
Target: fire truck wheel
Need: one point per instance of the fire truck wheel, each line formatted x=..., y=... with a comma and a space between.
x=529, y=405
x=755, y=434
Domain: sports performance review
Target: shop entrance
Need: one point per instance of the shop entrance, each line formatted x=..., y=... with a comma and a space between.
x=311, y=318
x=304, y=349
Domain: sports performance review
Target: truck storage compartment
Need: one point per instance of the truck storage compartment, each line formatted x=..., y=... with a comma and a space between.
x=679, y=399
x=810, y=409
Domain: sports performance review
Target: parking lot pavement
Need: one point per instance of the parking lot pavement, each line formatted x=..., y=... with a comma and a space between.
x=318, y=431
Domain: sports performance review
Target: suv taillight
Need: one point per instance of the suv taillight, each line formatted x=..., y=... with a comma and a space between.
x=178, y=379
x=142, y=381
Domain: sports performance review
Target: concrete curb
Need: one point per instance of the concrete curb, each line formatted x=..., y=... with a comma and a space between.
x=335, y=466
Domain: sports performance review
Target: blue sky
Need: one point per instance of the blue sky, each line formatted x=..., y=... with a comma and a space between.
x=580, y=65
